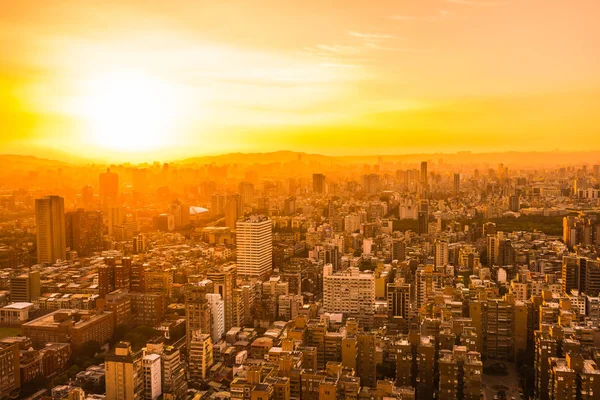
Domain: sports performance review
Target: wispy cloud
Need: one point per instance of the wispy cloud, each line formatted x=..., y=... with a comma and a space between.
x=338, y=49
x=440, y=16
x=478, y=3
x=372, y=36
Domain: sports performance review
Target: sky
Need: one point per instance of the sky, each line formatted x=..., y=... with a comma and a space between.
x=137, y=79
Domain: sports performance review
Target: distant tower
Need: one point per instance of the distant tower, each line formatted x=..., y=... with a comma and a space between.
x=232, y=210
x=423, y=217
x=424, y=182
x=319, y=183
x=109, y=188
x=456, y=183
x=50, y=229
x=246, y=190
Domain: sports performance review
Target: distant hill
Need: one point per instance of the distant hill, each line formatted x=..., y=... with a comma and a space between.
x=514, y=159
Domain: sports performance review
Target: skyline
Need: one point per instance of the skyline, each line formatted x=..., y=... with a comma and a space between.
x=121, y=81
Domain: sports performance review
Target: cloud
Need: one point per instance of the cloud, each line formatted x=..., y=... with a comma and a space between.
x=338, y=49
x=440, y=16
x=372, y=36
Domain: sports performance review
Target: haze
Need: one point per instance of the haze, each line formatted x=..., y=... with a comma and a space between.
x=141, y=80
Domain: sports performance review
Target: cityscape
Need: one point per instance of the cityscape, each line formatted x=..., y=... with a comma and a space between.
x=262, y=200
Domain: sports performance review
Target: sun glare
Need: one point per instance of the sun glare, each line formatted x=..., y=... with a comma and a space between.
x=128, y=112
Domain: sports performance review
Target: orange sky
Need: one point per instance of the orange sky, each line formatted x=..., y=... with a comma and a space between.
x=151, y=78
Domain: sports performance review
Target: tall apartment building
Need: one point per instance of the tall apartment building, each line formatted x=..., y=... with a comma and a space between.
x=181, y=213
x=428, y=282
x=318, y=183
x=10, y=377
x=83, y=230
x=398, y=249
x=254, y=247
x=113, y=275
x=233, y=210
x=50, y=229
x=423, y=217
x=460, y=373
x=424, y=181
x=399, y=303
x=224, y=281
x=456, y=182
x=581, y=274
x=124, y=373
x=493, y=248
x=246, y=191
x=109, y=188
x=366, y=361
x=217, y=315
x=200, y=355
x=425, y=365
x=174, y=381
x=350, y=292
x=152, y=376
x=441, y=253
x=197, y=309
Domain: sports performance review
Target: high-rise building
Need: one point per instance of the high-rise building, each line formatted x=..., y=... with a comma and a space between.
x=224, y=281
x=113, y=275
x=370, y=183
x=217, y=203
x=493, y=249
x=570, y=274
x=87, y=196
x=50, y=229
x=289, y=205
x=428, y=282
x=181, y=214
x=398, y=249
x=366, y=359
x=424, y=181
x=10, y=378
x=124, y=373
x=217, y=315
x=425, y=357
x=456, y=183
x=152, y=376
x=115, y=217
x=200, y=355
x=254, y=246
x=173, y=379
x=233, y=207
x=350, y=292
x=109, y=188
x=83, y=231
x=318, y=183
x=246, y=191
x=197, y=308
x=441, y=253
x=423, y=217
x=514, y=203
x=398, y=299
x=139, y=244
x=25, y=287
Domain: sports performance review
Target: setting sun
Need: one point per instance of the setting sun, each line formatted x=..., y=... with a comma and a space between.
x=127, y=111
